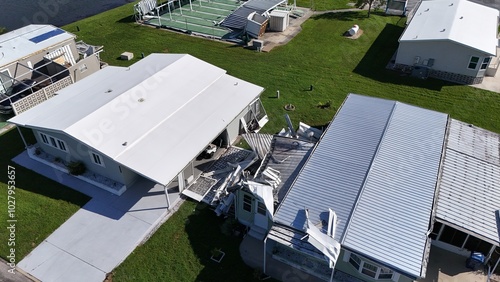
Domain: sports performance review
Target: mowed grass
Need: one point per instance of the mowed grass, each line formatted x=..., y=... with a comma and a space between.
x=41, y=205
x=317, y=56
x=181, y=249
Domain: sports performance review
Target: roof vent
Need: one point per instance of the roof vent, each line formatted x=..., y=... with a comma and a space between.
x=235, y=84
x=124, y=143
x=426, y=10
x=461, y=17
x=141, y=100
x=109, y=91
x=443, y=29
x=451, y=4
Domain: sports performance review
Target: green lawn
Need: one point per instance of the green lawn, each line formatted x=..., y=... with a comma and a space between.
x=318, y=56
x=41, y=205
x=181, y=249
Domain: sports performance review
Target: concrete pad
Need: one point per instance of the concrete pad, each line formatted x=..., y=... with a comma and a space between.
x=50, y=263
x=17, y=276
x=98, y=239
x=99, y=236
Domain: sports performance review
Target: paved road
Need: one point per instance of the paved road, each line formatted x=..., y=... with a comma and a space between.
x=17, y=13
x=6, y=276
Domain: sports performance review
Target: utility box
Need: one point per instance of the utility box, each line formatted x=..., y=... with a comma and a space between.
x=127, y=56
x=279, y=20
x=258, y=44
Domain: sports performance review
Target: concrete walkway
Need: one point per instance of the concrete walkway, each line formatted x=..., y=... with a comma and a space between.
x=99, y=236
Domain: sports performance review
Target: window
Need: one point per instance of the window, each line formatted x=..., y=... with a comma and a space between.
x=44, y=138
x=473, y=62
x=96, y=158
x=370, y=269
x=355, y=261
x=485, y=63
x=53, y=142
x=261, y=208
x=5, y=81
x=61, y=145
x=247, y=203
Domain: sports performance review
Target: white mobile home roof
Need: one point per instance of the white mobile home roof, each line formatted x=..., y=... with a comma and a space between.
x=460, y=21
x=469, y=192
x=376, y=157
x=166, y=108
x=23, y=42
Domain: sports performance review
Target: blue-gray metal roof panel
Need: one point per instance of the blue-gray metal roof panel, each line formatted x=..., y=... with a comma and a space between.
x=470, y=187
x=335, y=172
x=391, y=217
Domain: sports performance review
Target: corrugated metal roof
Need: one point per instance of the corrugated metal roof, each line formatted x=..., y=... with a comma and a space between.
x=260, y=143
x=149, y=107
x=470, y=181
x=238, y=18
x=287, y=156
x=27, y=40
x=392, y=214
x=455, y=20
x=335, y=171
x=376, y=157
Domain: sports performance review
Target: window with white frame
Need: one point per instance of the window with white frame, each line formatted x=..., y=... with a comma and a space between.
x=473, y=62
x=486, y=62
x=370, y=269
x=5, y=81
x=96, y=158
x=53, y=142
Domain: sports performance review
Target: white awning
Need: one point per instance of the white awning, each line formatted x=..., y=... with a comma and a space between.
x=264, y=193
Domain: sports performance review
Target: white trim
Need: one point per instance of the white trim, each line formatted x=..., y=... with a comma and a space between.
x=364, y=261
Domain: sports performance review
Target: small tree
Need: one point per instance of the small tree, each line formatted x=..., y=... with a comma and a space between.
x=2, y=30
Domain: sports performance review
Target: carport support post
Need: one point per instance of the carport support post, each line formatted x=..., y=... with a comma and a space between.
x=166, y=194
x=169, y=11
x=190, y=5
x=495, y=267
x=22, y=137
x=331, y=276
x=264, y=261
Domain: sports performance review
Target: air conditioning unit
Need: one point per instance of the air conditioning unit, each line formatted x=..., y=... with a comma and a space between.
x=416, y=60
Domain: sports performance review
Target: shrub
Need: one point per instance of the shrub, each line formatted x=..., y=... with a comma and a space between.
x=76, y=168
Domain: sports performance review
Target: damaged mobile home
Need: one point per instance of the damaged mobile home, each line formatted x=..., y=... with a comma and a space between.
x=384, y=183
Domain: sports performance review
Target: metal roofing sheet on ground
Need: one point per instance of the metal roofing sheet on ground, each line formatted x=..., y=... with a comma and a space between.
x=391, y=217
x=470, y=182
x=165, y=107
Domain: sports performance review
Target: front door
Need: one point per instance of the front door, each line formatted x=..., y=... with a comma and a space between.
x=261, y=218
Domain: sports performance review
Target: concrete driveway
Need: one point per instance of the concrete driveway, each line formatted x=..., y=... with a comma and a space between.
x=99, y=236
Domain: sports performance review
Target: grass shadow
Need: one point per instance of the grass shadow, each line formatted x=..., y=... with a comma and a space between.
x=341, y=16
x=127, y=19
x=373, y=64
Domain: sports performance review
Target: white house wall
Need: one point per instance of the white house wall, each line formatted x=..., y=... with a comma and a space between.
x=80, y=152
x=448, y=56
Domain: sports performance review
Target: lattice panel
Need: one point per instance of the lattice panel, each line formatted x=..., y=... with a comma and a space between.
x=40, y=96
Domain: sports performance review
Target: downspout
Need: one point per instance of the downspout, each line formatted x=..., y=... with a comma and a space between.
x=168, y=199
